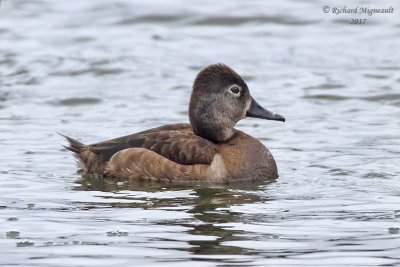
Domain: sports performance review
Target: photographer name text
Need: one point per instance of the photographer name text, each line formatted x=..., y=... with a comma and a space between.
x=358, y=10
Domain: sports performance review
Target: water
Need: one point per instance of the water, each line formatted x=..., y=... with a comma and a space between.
x=101, y=69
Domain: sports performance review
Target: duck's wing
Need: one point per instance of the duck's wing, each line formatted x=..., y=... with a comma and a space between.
x=142, y=163
x=175, y=142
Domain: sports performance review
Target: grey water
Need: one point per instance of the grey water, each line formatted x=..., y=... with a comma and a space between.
x=102, y=69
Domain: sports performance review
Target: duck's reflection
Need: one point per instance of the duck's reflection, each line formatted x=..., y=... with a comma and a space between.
x=210, y=206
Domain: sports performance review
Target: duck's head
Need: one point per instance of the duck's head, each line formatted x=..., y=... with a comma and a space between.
x=220, y=98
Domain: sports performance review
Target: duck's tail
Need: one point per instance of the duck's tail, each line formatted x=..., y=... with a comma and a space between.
x=88, y=162
x=74, y=145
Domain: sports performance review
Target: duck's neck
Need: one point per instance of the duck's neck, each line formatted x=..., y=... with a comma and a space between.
x=214, y=132
x=209, y=120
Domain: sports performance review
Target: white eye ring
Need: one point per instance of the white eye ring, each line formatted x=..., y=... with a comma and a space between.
x=235, y=89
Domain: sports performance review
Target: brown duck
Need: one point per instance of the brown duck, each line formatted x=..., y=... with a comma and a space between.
x=207, y=149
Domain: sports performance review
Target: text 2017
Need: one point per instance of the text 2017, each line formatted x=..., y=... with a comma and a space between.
x=358, y=21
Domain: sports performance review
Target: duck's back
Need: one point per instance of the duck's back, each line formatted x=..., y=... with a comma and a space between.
x=176, y=142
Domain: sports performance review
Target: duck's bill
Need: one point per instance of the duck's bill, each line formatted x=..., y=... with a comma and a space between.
x=257, y=111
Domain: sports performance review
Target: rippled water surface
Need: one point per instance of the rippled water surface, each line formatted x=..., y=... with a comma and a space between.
x=101, y=69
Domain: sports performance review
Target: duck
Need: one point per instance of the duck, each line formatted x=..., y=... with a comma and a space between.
x=207, y=149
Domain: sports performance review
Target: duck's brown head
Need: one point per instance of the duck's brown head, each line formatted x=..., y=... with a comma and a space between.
x=220, y=98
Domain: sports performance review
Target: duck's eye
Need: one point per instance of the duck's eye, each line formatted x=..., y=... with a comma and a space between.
x=235, y=90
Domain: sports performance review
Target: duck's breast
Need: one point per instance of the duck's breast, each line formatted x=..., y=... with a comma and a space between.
x=247, y=158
